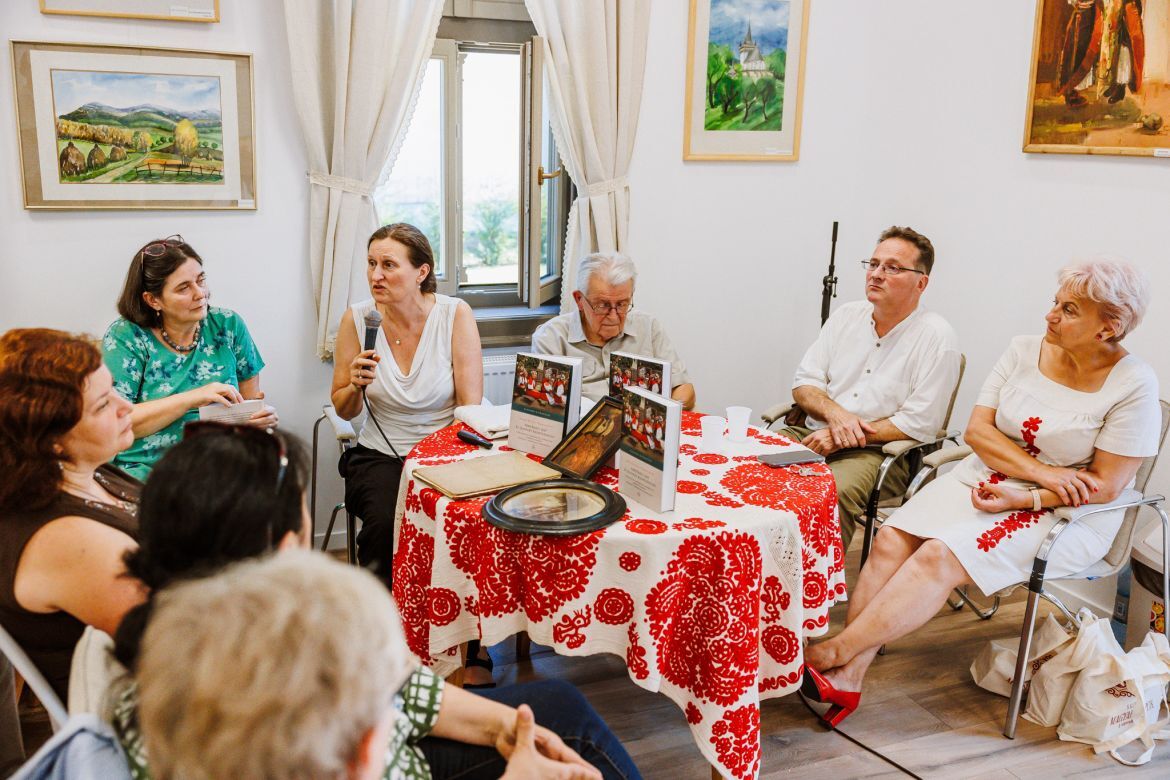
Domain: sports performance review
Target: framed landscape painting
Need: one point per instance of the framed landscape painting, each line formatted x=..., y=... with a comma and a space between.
x=121, y=127
x=745, y=74
x=1100, y=78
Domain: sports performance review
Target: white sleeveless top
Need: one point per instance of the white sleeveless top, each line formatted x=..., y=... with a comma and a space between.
x=410, y=407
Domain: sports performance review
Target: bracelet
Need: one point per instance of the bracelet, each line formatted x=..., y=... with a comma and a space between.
x=1036, y=505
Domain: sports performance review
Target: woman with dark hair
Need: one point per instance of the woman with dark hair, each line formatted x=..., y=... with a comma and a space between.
x=66, y=518
x=425, y=362
x=227, y=494
x=171, y=352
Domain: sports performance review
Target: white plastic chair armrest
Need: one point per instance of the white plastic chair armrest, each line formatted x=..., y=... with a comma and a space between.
x=775, y=412
x=946, y=455
x=902, y=446
x=1128, y=498
x=342, y=429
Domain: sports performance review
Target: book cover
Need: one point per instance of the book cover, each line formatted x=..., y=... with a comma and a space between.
x=546, y=402
x=648, y=472
x=629, y=370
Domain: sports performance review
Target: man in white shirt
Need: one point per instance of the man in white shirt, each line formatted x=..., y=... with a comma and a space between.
x=882, y=369
x=606, y=322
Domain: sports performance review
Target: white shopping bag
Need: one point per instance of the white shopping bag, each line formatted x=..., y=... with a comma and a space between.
x=1120, y=698
x=1051, y=685
x=995, y=666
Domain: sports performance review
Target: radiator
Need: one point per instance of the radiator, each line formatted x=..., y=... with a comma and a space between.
x=499, y=373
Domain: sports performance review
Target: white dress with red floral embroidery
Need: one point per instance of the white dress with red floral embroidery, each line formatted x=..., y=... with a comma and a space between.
x=1058, y=426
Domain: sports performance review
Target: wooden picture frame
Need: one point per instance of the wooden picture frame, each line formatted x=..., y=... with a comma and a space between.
x=591, y=443
x=189, y=11
x=1099, y=81
x=133, y=127
x=741, y=62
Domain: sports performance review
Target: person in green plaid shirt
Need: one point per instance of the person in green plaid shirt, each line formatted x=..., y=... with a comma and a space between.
x=233, y=494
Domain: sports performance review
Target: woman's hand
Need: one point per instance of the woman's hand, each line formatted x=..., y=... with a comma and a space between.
x=535, y=753
x=1073, y=487
x=362, y=368
x=213, y=393
x=996, y=498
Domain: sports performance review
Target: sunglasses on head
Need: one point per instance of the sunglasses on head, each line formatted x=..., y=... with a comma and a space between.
x=200, y=427
x=159, y=248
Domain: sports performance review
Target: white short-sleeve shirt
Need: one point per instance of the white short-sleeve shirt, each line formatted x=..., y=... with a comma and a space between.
x=908, y=375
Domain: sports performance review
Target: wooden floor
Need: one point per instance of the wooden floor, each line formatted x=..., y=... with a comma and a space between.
x=919, y=707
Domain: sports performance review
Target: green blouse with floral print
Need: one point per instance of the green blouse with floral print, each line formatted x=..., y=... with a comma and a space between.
x=145, y=370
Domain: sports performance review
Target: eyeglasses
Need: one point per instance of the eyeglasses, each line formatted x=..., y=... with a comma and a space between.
x=201, y=427
x=159, y=248
x=889, y=269
x=605, y=307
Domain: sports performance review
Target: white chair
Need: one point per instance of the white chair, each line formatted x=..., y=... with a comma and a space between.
x=346, y=436
x=33, y=677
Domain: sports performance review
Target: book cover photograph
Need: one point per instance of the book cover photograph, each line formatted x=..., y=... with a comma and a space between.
x=546, y=401
x=649, y=446
x=629, y=370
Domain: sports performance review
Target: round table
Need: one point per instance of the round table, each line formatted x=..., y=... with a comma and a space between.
x=706, y=603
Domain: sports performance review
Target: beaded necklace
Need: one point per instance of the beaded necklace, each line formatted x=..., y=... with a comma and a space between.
x=190, y=347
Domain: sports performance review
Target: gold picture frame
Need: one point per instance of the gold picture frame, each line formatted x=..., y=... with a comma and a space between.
x=750, y=63
x=182, y=134
x=1099, y=81
x=192, y=10
x=591, y=442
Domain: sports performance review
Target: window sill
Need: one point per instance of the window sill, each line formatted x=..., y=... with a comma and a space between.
x=511, y=326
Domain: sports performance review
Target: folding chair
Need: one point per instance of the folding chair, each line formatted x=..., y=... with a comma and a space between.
x=32, y=675
x=343, y=432
x=877, y=507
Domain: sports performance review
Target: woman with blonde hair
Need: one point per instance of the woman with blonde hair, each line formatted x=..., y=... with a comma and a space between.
x=1064, y=419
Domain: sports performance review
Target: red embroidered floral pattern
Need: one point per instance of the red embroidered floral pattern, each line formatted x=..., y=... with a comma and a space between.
x=737, y=740
x=636, y=655
x=539, y=573
x=413, y=504
x=1005, y=528
x=715, y=498
x=816, y=589
x=701, y=472
x=613, y=607
x=697, y=524
x=1028, y=433
x=689, y=486
x=568, y=628
x=710, y=458
x=690, y=423
x=782, y=681
x=413, y=561
x=630, y=561
x=774, y=599
x=694, y=717
x=442, y=605
x=429, y=498
x=642, y=526
x=704, y=617
x=781, y=644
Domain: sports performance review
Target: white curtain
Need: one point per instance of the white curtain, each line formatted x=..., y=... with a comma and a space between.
x=595, y=59
x=356, y=69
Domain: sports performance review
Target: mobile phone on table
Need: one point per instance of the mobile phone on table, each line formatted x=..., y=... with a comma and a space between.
x=790, y=458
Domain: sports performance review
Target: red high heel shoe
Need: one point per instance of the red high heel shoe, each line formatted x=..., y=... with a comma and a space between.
x=816, y=686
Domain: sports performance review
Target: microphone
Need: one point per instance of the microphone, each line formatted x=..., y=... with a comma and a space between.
x=373, y=320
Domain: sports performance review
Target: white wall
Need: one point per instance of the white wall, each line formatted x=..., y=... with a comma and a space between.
x=913, y=114
x=65, y=269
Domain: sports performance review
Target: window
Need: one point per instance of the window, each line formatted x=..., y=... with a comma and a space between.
x=478, y=172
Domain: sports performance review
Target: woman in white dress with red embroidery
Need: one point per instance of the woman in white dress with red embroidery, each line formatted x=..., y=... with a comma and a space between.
x=1064, y=420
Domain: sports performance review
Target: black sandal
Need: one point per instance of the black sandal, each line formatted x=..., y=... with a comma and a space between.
x=475, y=662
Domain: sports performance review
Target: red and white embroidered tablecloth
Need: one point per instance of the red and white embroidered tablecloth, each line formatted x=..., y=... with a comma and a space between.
x=707, y=603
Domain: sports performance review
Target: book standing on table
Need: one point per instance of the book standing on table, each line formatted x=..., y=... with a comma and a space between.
x=648, y=472
x=546, y=402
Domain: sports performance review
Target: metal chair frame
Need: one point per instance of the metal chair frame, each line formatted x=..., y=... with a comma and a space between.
x=33, y=677
x=346, y=437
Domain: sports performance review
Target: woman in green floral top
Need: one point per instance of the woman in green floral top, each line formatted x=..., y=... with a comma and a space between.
x=226, y=494
x=171, y=352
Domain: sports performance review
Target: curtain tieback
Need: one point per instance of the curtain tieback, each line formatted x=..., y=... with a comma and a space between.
x=608, y=186
x=356, y=186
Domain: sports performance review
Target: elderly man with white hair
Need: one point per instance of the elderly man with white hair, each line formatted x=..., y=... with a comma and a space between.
x=606, y=322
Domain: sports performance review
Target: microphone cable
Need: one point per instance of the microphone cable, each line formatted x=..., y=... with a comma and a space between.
x=374, y=420
x=858, y=742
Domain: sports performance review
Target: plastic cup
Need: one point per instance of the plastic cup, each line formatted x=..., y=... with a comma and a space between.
x=737, y=421
x=712, y=427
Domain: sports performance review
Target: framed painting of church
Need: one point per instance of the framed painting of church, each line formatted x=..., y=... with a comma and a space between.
x=1100, y=78
x=745, y=76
